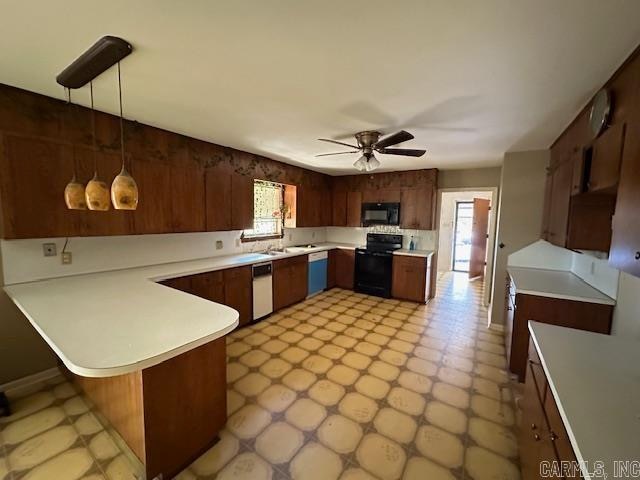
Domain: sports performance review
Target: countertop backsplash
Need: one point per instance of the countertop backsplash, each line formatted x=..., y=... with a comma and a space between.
x=424, y=239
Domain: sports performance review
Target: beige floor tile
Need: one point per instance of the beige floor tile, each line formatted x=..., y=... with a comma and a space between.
x=305, y=315
x=406, y=401
x=254, y=358
x=340, y=434
x=237, y=348
x=235, y=371
x=343, y=375
x=337, y=308
x=446, y=417
x=410, y=327
x=310, y=344
x=305, y=329
x=331, y=351
x=103, y=447
x=423, y=367
x=482, y=464
x=486, y=387
x=377, y=339
x=69, y=465
x=315, y=462
x=288, y=323
x=440, y=446
x=42, y=447
x=279, y=442
x=317, y=364
x=256, y=339
x=249, y=421
x=87, y=424
x=234, y=401
x=414, y=381
x=299, y=379
x=384, y=371
x=381, y=456
x=273, y=330
x=217, y=456
x=400, y=346
x=326, y=392
x=291, y=336
x=252, y=384
x=246, y=466
x=328, y=314
x=493, y=437
x=336, y=327
x=419, y=468
x=393, y=357
x=493, y=410
x=64, y=390
x=454, y=377
x=294, y=355
x=305, y=414
x=275, y=368
x=385, y=330
x=356, y=360
x=34, y=424
x=349, y=317
x=450, y=395
x=345, y=341
x=323, y=334
x=355, y=332
x=410, y=337
x=372, y=387
x=274, y=346
x=391, y=322
x=427, y=354
x=75, y=406
x=490, y=347
x=367, y=348
x=497, y=375
x=459, y=363
x=276, y=398
x=358, y=407
x=433, y=343
x=356, y=474
x=492, y=359
x=395, y=425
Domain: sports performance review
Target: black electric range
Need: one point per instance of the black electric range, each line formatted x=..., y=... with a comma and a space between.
x=374, y=264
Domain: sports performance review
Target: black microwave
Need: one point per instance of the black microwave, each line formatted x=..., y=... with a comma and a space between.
x=380, y=214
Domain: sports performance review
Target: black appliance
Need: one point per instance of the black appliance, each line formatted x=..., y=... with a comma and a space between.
x=380, y=214
x=374, y=264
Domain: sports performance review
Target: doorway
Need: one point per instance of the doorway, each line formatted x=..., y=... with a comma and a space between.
x=462, y=237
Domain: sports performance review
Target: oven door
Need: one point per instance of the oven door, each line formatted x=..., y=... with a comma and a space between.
x=373, y=273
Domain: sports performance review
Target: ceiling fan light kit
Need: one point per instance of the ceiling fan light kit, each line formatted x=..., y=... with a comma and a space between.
x=124, y=195
x=369, y=142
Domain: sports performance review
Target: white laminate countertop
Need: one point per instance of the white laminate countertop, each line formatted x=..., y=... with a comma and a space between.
x=595, y=381
x=414, y=253
x=112, y=323
x=556, y=284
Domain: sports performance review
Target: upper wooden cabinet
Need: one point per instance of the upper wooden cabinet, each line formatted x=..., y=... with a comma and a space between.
x=385, y=195
x=416, y=208
x=339, y=218
x=561, y=177
x=229, y=201
x=625, y=242
x=354, y=209
x=604, y=162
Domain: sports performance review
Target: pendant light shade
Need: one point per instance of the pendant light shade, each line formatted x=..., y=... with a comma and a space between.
x=124, y=190
x=97, y=191
x=74, y=191
x=361, y=163
x=372, y=163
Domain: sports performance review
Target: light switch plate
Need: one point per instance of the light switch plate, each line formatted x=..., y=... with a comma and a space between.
x=49, y=249
x=66, y=258
x=219, y=245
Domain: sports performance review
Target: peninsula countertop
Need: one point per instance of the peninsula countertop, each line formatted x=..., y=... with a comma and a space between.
x=116, y=322
x=556, y=284
x=595, y=381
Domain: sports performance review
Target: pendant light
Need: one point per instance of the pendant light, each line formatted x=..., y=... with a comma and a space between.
x=74, y=195
x=124, y=190
x=361, y=163
x=97, y=191
x=372, y=163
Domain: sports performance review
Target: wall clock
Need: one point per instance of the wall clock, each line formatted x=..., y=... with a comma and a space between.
x=600, y=112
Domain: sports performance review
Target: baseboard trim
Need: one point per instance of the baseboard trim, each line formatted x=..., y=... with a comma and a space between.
x=14, y=387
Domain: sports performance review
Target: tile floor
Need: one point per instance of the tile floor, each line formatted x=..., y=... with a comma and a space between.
x=341, y=385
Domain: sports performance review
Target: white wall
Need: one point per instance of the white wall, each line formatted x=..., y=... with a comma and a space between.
x=424, y=239
x=447, y=224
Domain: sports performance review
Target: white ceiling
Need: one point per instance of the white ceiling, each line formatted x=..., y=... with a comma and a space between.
x=470, y=79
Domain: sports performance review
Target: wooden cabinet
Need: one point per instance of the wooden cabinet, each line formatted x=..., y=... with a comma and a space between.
x=331, y=268
x=238, y=292
x=290, y=281
x=416, y=208
x=229, y=201
x=561, y=177
x=187, y=196
x=384, y=195
x=354, y=209
x=590, y=221
x=345, y=268
x=593, y=317
x=314, y=207
x=411, y=277
x=625, y=242
x=605, y=156
x=209, y=285
x=339, y=218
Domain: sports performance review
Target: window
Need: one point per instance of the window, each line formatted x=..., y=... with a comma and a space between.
x=268, y=209
x=462, y=236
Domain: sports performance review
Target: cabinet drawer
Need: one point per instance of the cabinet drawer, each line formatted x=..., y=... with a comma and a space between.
x=558, y=434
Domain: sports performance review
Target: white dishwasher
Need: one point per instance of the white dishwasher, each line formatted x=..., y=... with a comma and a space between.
x=262, y=290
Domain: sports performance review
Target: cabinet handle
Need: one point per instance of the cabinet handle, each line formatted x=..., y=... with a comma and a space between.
x=553, y=437
x=533, y=426
x=536, y=437
x=509, y=308
x=637, y=256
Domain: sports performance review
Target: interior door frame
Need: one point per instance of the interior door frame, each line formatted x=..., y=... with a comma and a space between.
x=455, y=235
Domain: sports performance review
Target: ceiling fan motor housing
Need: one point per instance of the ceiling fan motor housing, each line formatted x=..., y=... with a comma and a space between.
x=366, y=141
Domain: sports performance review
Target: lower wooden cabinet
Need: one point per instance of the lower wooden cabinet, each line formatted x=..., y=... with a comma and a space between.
x=345, y=261
x=290, y=281
x=411, y=278
x=331, y=268
x=231, y=287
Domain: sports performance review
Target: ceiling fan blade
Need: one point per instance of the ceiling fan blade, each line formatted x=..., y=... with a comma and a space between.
x=398, y=137
x=336, y=153
x=403, y=151
x=338, y=143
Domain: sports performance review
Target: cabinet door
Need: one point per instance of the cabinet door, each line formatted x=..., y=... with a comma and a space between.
x=546, y=209
x=238, y=293
x=345, y=267
x=354, y=209
x=299, y=272
x=389, y=195
x=218, y=200
x=331, y=269
x=308, y=204
x=153, y=177
x=625, y=242
x=241, y=202
x=409, y=208
x=370, y=196
x=281, y=284
x=179, y=283
x=187, y=196
x=339, y=217
x=577, y=179
x=409, y=278
x=560, y=196
x=558, y=433
x=326, y=208
x=209, y=285
x=605, y=159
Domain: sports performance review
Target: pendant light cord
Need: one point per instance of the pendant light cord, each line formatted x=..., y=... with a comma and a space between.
x=121, y=119
x=73, y=150
x=93, y=132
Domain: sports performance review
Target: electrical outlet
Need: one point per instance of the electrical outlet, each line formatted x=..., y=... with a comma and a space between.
x=49, y=249
x=313, y=234
x=593, y=268
x=219, y=245
x=66, y=258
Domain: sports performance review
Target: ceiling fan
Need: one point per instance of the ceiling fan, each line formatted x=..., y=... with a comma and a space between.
x=369, y=142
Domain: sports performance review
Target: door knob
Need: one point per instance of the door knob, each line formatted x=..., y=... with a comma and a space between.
x=501, y=245
x=637, y=256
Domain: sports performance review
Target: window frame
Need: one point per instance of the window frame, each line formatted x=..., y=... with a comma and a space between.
x=244, y=238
